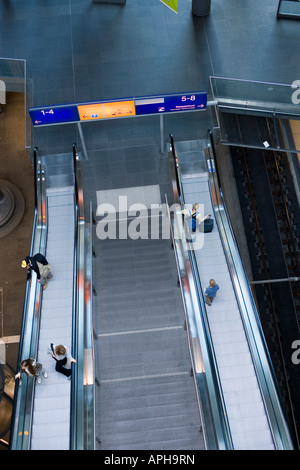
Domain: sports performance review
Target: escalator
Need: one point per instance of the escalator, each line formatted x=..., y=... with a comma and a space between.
x=57, y=414
x=246, y=384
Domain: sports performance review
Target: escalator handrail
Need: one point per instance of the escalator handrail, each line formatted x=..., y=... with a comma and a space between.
x=176, y=168
x=224, y=422
x=75, y=352
x=82, y=406
x=89, y=363
x=222, y=417
x=249, y=314
x=22, y=409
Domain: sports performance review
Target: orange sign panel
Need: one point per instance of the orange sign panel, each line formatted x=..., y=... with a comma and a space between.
x=119, y=109
x=88, y=112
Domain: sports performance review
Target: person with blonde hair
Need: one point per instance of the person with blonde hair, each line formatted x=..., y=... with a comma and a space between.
x=211, y=291
x=194, y=217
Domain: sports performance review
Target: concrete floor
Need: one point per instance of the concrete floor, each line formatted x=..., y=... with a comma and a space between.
x=15, y=168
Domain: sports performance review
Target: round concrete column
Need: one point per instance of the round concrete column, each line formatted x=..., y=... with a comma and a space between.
x=11, y=207
x=201, y=7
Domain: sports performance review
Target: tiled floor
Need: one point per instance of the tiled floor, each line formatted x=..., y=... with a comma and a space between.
x=77, y=50
x=15, y=168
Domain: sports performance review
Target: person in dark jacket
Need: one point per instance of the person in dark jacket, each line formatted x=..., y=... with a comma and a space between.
x=63, y=359
x=40, y=266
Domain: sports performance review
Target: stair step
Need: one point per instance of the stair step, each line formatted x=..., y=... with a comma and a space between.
x=147, y=396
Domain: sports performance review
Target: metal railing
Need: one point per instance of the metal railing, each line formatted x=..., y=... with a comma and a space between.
x=211, y=401
x=248, y=311
x=14, y=74
x=82, y=434
x=82, y=386
x=24, y=389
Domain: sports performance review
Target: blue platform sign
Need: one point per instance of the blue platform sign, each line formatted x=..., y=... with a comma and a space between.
x=54, y=115
x=77, y=112
x=171, y=103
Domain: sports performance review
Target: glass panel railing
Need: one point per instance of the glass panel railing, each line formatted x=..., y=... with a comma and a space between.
x=277, y=97
x=211, y=401
x=13, y=69
x=89, y=352
x=24, y=388
x=14, y=75
x=246, y=108
x=28, y=97
x=249, y=314
x=82, y=434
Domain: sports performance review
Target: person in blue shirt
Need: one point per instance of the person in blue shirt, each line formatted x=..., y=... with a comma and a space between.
x=211, y=291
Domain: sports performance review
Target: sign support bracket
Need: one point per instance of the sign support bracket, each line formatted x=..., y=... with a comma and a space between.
x=161, y=120
x=82, y=140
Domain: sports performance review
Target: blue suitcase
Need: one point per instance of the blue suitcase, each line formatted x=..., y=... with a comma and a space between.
x=207, y=225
